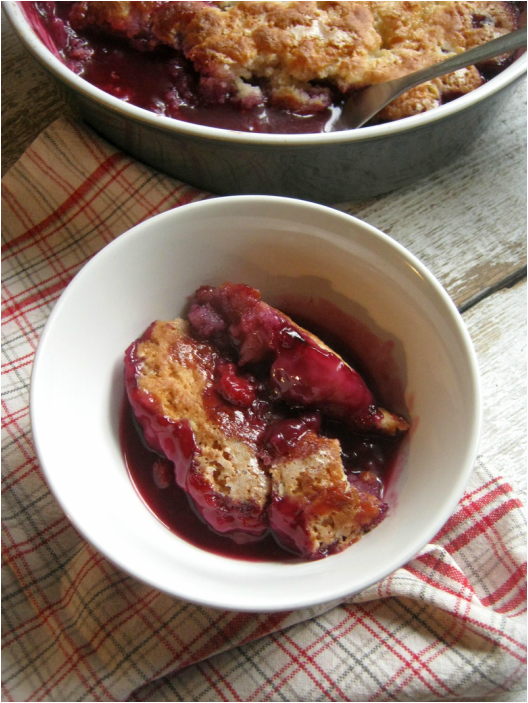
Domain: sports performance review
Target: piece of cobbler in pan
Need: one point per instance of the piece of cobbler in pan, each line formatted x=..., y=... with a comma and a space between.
x=258, y=417
x=304, y=56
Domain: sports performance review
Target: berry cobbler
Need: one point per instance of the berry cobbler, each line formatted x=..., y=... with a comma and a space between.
x=265, y=429
x=271, y=66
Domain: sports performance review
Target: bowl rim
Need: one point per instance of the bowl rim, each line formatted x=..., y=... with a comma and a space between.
x=33, y=44
x=467, y=459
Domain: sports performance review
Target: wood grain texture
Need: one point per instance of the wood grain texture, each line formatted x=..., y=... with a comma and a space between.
x=31, y=99
x=466, y=222
x=484, y=192
x=496, y=326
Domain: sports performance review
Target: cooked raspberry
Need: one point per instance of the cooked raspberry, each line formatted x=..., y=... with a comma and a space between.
x=281, y=436
x=233, y=387
x=163, y=473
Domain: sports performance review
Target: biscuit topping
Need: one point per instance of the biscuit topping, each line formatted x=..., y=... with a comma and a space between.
x=298, y=55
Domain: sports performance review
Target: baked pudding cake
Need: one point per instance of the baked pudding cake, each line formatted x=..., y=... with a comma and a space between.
x=267, y=429
x=303, y=57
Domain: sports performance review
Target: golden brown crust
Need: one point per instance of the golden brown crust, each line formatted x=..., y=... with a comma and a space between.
x=129, y=19
x=349, y=44
x=334, y=514
x=296, y=48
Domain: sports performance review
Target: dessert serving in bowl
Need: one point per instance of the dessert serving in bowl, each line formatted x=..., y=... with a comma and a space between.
x=341, y=402
x=236, y=97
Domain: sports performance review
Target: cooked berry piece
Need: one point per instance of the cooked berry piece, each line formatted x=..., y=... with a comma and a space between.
x=304, y=372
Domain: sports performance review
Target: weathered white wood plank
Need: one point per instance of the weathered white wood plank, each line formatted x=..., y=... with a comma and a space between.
x=467, y=223
x=497, y=326
x=30, y=98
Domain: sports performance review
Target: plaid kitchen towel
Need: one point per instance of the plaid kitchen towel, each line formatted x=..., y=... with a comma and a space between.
x=449, y=625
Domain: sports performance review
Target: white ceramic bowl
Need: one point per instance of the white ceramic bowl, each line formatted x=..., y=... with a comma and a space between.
x=331, y=168
x=283, y=247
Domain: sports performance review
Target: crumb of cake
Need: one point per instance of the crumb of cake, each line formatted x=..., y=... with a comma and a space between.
x=431, y=94
x=297, y=55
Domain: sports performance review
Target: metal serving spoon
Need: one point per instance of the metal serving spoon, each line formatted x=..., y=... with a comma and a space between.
x=359, y=108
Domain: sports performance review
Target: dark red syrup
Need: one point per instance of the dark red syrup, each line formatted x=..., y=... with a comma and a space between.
x=161, y=81
x=152, y=476
x=369, y=462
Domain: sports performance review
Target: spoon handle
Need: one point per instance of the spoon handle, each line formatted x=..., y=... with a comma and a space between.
x=359, y=109
x=495, y=47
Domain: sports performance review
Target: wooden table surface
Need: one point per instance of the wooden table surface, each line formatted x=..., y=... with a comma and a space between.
x=467, y=223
